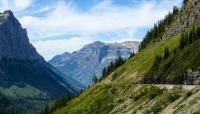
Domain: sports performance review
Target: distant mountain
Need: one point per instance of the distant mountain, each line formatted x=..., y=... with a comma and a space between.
x=24, y=74
x=81, y=65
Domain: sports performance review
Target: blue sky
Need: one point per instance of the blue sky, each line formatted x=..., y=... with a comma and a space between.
x=57, y=26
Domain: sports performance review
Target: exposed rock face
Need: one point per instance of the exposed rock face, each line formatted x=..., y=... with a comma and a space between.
x=81, y=65
x=132, y=44
x=14, y=43
x=186, y=18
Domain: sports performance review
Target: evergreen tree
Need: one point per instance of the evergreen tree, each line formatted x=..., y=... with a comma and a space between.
x=132, y=54
x=49, y=109
x=157, y=60
x=185, y=2
x=94, y=79
x=113, y=65
x=166, y=53
x=189, y=37
x=155, y=34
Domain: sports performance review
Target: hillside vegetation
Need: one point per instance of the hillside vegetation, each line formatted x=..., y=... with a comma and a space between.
x=182, y=65
x=119, y=87
x=169, y=58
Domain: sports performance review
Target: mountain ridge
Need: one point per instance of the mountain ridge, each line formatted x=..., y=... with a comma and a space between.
x=95, y=56
x=24, y=75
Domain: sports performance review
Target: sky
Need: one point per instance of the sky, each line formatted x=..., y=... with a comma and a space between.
x=57, y=26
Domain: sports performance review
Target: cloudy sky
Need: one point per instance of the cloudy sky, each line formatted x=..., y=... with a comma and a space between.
x=57, y=26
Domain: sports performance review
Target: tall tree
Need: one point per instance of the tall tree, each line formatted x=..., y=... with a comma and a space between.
x=166, y=53
x=185, y=2
x=94, y=79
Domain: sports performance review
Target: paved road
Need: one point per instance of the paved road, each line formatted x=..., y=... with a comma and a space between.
x=170, y=86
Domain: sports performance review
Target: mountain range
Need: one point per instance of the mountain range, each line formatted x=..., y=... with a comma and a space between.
x=83, y=64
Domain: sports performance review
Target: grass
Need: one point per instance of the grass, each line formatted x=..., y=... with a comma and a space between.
x=162, y=102
x=149, y=92
x=102, y=98
x=97, y=99
x=25, y=91
x=169, y=70
x=143, y=61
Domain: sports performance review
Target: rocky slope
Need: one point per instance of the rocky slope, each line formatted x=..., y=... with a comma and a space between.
x=81, y=65
x=186, y=18
x=24, y=75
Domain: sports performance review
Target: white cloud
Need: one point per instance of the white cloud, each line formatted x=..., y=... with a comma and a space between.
x=61, y=19
x=50, y=48
x=15, y=5
x=44, y=9
x=104, y=17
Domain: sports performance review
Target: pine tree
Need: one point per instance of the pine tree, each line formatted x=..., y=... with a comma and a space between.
x=94, y=79
x=155, y=34
x=132, y=54
x=185, y=2
x=189, y=37
x=166, y=53
x=113, y=65
x=157, y=60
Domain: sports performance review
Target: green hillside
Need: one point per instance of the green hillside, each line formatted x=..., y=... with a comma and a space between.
x=172, y=57
x=119, y=86
x=182, y=65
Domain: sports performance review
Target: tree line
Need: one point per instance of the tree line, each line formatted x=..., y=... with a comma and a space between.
x=187, y=38
x=113, y=65
x=58, y=104
x=156, y=33
x=190, y=36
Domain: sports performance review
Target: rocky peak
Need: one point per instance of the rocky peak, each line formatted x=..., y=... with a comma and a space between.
x=5, y=16
x=132, y=44
x=81, y=65
x=14, y=42
x=95, y=44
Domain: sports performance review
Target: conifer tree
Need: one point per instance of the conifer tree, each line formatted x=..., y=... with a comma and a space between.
x=94, y=79
x=185, y=2
x=166, y=53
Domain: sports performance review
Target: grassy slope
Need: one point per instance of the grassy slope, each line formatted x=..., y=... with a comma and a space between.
x=169, y=70
x=118, y=87
x=118, y=94
x=24, y=98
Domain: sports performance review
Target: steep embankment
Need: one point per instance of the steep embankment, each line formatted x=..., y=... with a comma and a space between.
x=121, y=93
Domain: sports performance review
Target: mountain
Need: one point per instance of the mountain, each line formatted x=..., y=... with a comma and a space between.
x=162, y=78
x=81, y=65
x=27, y=81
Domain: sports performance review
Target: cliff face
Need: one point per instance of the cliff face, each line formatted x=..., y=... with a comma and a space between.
x=25, y=74
x=187, y=17
x=14, y=43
